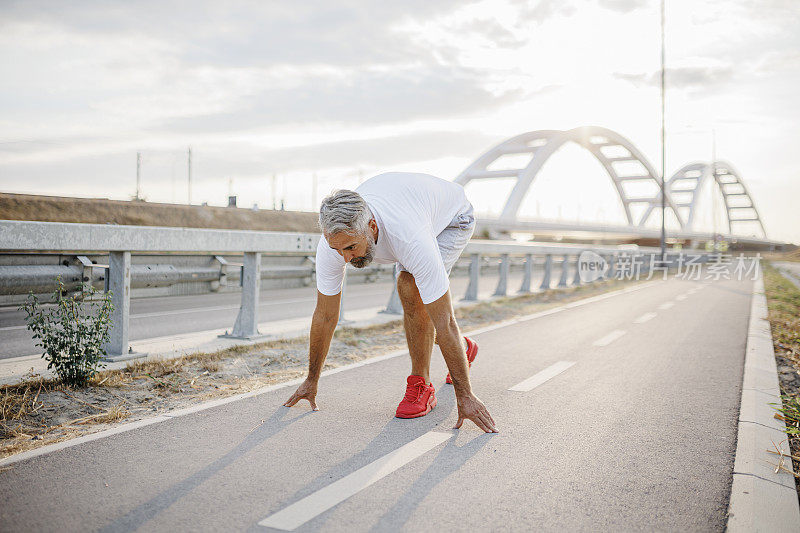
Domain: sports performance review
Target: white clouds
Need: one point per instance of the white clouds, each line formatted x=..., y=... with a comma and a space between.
x=263, y=87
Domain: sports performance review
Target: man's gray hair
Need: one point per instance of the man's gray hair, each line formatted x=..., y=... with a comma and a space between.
x=344, y=211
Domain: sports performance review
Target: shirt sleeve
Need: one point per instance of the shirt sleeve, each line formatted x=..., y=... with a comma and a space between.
x=330, y=269
x=422, y=258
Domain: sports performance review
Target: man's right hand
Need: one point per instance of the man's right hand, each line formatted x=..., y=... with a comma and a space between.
x=306, y=391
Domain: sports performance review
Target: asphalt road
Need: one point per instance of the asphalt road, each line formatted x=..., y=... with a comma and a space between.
x=172, y=315
x=637, y=434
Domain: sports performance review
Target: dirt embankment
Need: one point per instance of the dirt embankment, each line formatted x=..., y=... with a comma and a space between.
x=136, y=213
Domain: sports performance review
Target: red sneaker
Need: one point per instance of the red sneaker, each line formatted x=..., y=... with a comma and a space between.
x=472, y=353
x=419, y=399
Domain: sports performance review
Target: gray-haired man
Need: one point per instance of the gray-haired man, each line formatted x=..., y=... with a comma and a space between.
x=421, y=223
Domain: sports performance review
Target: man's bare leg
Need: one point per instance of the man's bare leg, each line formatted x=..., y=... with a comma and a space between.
x=418, y=326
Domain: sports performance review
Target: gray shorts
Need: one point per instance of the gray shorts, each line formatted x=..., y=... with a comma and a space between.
x=452, y=240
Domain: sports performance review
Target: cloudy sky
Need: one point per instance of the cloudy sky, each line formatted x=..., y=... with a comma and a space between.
x=344, y=90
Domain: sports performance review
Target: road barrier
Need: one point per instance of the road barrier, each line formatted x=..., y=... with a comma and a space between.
x=76, y=242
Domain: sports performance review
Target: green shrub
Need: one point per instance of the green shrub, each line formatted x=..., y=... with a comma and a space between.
x=71, y=333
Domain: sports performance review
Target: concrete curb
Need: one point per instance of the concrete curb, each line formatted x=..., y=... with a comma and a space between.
x=761, y=499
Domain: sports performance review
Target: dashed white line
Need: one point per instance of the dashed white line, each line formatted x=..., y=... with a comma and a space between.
x=644, y=318
x=218, y=308
x=541, y=377
x=680, y=297
x=300, y=512
x=10, y=328
x=608, y=339
x=666, y=305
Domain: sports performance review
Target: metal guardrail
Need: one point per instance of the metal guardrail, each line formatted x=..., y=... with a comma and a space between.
x=120, y=275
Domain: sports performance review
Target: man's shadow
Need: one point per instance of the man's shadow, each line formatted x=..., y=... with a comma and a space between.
x=395, y=434
x=449, y=460
x=153, y=507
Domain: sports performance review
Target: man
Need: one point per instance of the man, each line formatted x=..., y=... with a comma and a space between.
x=421, y=223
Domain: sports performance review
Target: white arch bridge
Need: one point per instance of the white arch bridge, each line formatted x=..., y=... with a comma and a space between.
x=634, y=179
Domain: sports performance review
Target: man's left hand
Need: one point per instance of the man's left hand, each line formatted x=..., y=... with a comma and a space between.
x=469, y=406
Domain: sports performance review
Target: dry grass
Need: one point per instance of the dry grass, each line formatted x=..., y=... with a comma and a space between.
x=20, y=400
x=794, y=255
x=37, y=411
x=783, y=302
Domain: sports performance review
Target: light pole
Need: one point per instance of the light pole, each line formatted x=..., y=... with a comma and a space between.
x=189, y=175
x=138, y=175
x=663, y=145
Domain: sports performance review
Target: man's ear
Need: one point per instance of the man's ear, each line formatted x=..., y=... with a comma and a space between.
x=373, y=227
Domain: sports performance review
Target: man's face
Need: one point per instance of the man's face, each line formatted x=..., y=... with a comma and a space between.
x=358, y=250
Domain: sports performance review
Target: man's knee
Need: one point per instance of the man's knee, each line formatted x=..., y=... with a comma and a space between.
x=407, y=287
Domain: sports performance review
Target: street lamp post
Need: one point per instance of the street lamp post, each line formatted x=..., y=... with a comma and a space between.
x=663, y=145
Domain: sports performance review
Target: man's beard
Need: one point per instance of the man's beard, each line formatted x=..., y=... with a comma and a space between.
x=361, y=262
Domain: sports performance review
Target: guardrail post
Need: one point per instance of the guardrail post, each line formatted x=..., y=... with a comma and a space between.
x=502, y=283
x=223, y=271
x=576, y=279
x=548, y=270
x=612, y=267
x=526, y=280
x=246, y=325
x=562, y=282
x=88, y=271
x=474, y=274
x=119, y=283
x=395, y=306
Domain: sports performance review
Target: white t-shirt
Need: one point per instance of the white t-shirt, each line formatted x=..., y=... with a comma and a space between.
x=410, y=211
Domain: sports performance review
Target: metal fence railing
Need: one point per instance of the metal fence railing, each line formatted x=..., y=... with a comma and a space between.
x=79, y=241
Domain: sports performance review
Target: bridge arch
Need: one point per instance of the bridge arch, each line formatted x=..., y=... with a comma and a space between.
x=608, y=147
x=684, y=187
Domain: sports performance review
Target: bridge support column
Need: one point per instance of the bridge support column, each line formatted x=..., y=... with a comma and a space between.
x=526, y=280
x=395, y=306
x=502, y=283
x=246, y=325
x=474, y=273
x=562, y=282
x=119, y=283
x=548, y=270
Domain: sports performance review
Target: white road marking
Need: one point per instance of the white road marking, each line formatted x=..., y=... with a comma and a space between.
x=211, y=309
x=680, y=297
x=300, y=512
x=218, y=308
x=666, y=305
x=541, y=377
x=9, y=328
x=608, y=339
x=644, y=318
